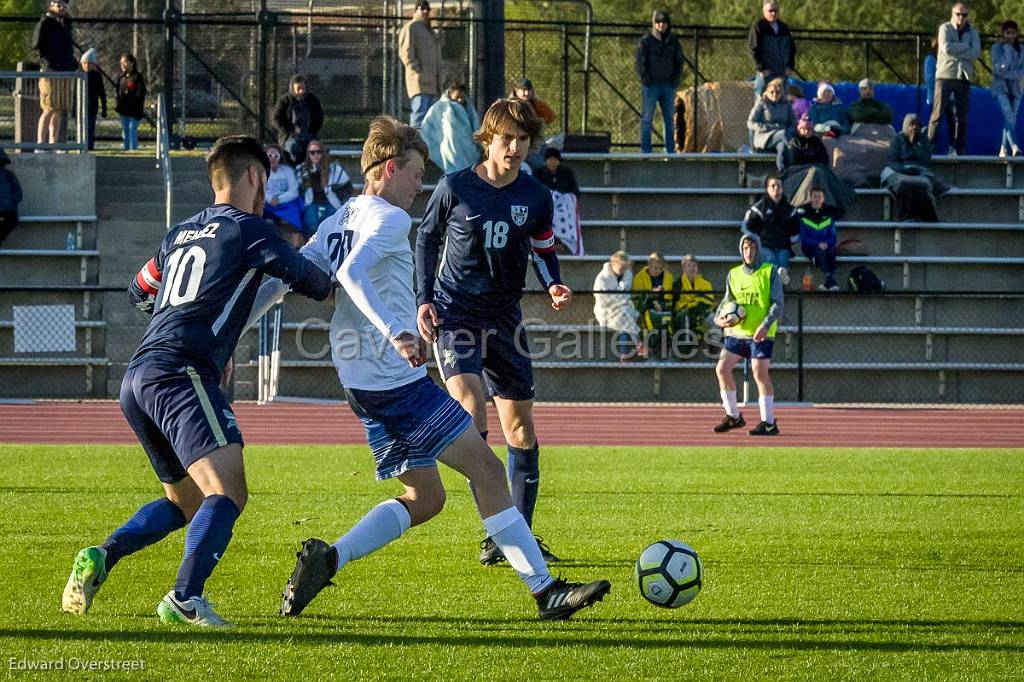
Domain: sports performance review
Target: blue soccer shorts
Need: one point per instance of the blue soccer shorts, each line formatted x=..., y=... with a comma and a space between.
x=748, y=348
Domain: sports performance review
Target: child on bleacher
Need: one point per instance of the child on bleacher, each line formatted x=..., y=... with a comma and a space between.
x=817, y=224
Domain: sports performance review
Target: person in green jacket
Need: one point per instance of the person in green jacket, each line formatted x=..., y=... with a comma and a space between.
x=756, y=286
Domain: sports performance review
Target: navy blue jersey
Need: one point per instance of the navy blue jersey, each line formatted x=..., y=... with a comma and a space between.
x=489, y=235
x=210, y=267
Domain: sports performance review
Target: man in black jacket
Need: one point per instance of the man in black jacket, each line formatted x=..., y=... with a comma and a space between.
x=298, y=118
x=659, y=63
x=771, y=47
x=52, y=39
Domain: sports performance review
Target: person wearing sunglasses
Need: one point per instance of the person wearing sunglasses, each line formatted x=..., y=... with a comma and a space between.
x=771, y=47
x=959, y=48
x=324, y=185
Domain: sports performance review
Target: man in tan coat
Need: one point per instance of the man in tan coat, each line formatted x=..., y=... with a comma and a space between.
x=420, y=50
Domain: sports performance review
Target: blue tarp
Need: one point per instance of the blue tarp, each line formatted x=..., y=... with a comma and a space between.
x=984, y=126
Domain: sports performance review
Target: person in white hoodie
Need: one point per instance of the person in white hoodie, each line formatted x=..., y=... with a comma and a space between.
x=616, y=311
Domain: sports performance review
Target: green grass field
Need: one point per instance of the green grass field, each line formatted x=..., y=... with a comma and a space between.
x=820, y=564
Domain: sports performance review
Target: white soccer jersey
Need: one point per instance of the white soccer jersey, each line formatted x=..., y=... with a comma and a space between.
x=365, y=245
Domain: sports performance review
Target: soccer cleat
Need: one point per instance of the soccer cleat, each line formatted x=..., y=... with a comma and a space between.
x=490, y=553
x=87, y=574
x=195, y=611
x=562, y=599
x=549, y=558
x=765, y=429
x=729, y=423
x=315, y=565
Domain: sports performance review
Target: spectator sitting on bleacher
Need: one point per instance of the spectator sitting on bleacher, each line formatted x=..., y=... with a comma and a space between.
x=565, y=192
x=801, y=105
x=868, y=109
x=691, y=310
x=771, y=219
x=828, y=113
x=907, y=175
x=524, y=90
x=652, y=288
x=771, y=121
x=282, y=192
x=10, y=197
x=805, y=147
x=807, y=165
x=817, y=224
x=616, y=311
x=324, y=184
x=448, y=130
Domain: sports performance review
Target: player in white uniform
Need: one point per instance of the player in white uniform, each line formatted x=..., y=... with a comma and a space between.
x=410, y=423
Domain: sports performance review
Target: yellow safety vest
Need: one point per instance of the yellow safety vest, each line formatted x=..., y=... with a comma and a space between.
x=754, y=293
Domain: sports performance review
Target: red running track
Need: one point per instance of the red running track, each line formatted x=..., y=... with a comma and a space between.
x=101, y=422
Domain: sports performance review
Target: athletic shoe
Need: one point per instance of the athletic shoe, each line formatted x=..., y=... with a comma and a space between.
x=562, y=599
x=1003, y=153
x=87, y=574
x=765, y=429
x=316, y=564
x=549, y=558
x=729, y=423
x=194, y=611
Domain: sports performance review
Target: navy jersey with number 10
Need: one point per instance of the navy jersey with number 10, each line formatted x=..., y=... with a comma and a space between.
x=210, y=267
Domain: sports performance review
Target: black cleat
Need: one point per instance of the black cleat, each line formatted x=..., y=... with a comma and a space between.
x=562, y=599
x=549, y=558
x=765, y=429
x=490, y=554
x=729, y=423
x=313, y=570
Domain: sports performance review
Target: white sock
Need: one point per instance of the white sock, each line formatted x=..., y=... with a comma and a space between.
x=729, y=403
x=514, y=538
x=382, y=524
x=767, y=403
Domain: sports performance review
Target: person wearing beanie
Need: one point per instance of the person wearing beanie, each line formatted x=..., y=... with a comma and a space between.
x=828, y=114
x=96, y=94
x=659, y=64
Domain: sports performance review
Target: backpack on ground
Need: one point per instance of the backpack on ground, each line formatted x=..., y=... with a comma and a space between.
x=864, y=281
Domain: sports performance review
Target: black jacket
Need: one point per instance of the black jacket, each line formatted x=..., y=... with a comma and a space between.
x=659, y=61
x=283, y=117
x=131, y=95
x=772, y=222
x=802, y=150
x=52, y=39
x=770, y=51
x=97, y=93
x=563, y=180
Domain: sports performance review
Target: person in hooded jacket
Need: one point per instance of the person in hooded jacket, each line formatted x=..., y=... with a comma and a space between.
x=756, y=286
x=770, y=218
x=615, y=311
x=659, y=63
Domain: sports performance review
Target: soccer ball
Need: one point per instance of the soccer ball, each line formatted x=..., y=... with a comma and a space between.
x=669, y=574
x=733, y=312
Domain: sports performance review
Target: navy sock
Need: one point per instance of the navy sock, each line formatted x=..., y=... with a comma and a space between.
x=208, y=536
x=472, y=488
x=524, y=472
x=151, y=523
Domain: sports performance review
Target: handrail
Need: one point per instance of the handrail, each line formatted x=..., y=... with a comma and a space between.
x=163, y=155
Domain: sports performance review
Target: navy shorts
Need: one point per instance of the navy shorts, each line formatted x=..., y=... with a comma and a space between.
x=748, y=348
x=497, y=350
x=178, y=414
x=408, y=427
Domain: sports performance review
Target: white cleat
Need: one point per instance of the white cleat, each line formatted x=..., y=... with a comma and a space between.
x=194, y=611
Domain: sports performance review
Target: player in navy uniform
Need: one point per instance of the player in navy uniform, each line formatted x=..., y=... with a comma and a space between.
x=492, y=220
x=211, y=266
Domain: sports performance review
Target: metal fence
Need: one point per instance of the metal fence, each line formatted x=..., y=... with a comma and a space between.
x=222, y=71
x=894, y=348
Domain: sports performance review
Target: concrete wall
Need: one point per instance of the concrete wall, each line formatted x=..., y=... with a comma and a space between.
x=56, y=184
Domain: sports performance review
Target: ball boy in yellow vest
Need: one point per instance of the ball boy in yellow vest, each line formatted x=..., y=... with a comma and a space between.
x=756, y=286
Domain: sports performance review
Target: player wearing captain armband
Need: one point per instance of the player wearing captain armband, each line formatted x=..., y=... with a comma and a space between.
x=482, y=227
x=201, y=286
x=755, y=285
x=411, y=424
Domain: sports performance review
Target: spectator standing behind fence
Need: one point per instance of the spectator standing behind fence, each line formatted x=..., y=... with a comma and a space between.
x=659, y=63
x=909, y=177
x=771, y=121
x=771, y=47
x=524, y=90
x=324, y=184
x=615, y=311
x=96, y=94
x=1007, y=74
x=420, y=51
x=959, y=47
x=817, y=224
x=282, y=192
x=771, y=219
x=828, y=114
x=131, y=100
x=448, y=130
x=691, y=309
x=10, y=197
x=565, y=192
x=298, y=117
x=53, y=40
x=868, y=109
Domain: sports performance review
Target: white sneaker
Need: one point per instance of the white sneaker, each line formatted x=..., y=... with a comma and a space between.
x=784, y=276
x=194, y=611
x=1002, y=153
x=952, y=152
